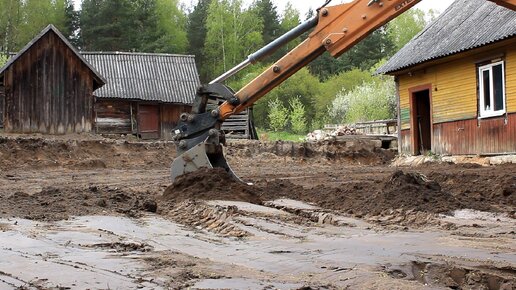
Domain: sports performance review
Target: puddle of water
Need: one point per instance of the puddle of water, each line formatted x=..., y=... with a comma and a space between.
x=56, y=259
x=242, y=284
x=248, y=207
x=469, y=214
x=294, y=204
x=33, y=250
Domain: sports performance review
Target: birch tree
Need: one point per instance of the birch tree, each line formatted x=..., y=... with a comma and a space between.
x=232, y=34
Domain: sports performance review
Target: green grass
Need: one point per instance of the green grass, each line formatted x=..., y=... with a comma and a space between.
x=279, y=136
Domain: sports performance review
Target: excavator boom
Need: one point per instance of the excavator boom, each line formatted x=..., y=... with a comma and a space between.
x=511, y=4
x=335, y=29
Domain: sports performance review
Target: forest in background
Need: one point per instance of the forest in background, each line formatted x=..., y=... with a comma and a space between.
x=222, y=33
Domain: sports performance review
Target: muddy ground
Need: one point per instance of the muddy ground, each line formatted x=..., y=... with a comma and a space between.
x=322, y=216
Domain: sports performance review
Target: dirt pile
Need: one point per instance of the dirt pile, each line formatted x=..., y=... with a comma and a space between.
x=478, y=190
x=349, y=152
x=360, y=191
x=51, y=203
x=450, y=275
x=29, y=152
x=210, y=184
x=400, y=191
x=412, y=191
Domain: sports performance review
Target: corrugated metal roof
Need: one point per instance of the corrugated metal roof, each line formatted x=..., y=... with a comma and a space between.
x=465, y=25
x=51, y=28
x=165, y=78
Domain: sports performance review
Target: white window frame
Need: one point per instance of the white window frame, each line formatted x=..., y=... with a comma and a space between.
x=490, y=113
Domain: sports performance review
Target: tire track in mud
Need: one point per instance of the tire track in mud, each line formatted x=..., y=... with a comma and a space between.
x=454, y=274
x=78, y=266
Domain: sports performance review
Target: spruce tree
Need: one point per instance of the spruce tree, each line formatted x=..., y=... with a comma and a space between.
x=197, y=35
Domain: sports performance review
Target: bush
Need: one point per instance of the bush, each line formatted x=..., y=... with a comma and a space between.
x=297, y=116
x=302, y=85
x=371, y=101
x=278, y=115
x=3, y=59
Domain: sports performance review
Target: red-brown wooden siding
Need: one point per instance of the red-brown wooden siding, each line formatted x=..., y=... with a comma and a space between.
x=170, y=118
x=48, y=90
x=149, y=121
x=471, y=137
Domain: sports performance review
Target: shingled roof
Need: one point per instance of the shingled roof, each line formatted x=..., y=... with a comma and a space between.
x=465, y=25
x=166, y=78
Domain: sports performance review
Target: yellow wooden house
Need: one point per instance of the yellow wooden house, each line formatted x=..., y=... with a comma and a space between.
x=456, y=83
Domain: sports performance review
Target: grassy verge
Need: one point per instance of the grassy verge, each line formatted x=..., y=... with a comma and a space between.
x=279, y=136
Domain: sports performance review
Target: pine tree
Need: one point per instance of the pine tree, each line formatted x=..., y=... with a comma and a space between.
x=197, y=35
x=108, y=25
x=267, y=11
x=364, y=55
x=71, y=25
x=133, y=25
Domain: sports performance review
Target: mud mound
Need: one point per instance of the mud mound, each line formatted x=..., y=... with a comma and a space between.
x=412, y=191
x=30, y=152
x=210, y=184
x=350, y=152
x=480, y=189
x=453, y=276
x=51, y=204
x=399, y=191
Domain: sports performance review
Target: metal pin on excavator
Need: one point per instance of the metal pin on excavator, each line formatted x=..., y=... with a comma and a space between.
x=335, y=29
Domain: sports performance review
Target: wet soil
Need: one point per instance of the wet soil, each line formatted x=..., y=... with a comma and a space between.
x=409, y=191
x=80, y=153
x=53, y=193
x=210, y=184
x=56, y=203
x=55, y=180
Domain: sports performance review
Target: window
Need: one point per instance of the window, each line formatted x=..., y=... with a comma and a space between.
x=492, y=89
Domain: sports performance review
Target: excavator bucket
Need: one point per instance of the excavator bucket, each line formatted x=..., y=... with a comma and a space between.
x=202, y=155
x=198, y=135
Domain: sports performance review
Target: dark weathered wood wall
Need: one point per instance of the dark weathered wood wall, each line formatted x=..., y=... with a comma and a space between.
x=149, y=122
x=48, y=90
x=170, y=118
x=122, y=117
x=470, y=137
x=114, y=117
x=2, y=107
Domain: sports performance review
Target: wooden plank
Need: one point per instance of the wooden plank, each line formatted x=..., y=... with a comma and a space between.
x=113, y=117
x=467, y=138
x=2, y=105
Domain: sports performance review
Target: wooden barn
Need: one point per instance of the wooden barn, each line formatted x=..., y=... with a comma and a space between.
x=144, y=93
x=456, y=83
x=48, y=88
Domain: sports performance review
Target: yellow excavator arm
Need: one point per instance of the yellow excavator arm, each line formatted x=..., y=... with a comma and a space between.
x=511, y=4
x=334, y=29
x=338, y=29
